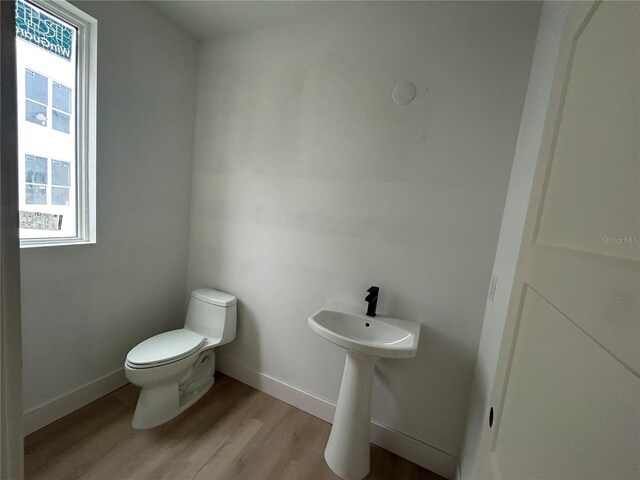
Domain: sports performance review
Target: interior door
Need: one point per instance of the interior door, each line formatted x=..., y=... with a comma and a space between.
x=566, y=400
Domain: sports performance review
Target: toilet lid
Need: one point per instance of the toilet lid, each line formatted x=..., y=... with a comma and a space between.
x=165, y=347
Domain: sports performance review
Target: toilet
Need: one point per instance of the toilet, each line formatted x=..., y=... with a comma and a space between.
x=176, y=368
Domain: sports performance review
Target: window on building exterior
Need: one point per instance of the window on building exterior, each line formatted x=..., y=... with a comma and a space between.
x=56, y=62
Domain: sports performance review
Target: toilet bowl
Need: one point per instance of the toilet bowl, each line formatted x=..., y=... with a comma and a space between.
x=176, y=368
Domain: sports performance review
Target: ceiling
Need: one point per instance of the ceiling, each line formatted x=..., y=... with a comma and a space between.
x=212, y=18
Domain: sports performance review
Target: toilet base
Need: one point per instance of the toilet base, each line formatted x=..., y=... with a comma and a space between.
x=158, y=405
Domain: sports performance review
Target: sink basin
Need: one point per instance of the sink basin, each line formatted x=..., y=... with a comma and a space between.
x=365, y=339
x=381, y=336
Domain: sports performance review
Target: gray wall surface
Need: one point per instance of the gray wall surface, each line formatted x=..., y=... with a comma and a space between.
x=310, y=185
x=11, y=424
x=85, y=306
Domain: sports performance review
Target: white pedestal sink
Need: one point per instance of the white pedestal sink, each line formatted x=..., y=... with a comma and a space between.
x=365, y=339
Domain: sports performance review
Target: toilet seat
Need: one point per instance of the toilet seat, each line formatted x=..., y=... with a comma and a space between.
x=165, y=348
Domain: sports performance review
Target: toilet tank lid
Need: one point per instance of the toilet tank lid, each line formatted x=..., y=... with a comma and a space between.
x=214, y=297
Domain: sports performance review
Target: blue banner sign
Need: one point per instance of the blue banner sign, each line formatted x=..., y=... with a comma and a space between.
x=42, y=30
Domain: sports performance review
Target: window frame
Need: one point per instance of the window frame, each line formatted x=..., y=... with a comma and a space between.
x=85, y=118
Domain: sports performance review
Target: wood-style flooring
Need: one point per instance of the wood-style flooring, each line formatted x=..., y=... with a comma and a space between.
x=233, y=432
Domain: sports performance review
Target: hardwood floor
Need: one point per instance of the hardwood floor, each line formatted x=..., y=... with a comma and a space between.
x=233, y=432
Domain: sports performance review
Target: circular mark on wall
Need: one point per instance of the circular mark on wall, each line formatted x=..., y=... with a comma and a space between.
x=403, y=93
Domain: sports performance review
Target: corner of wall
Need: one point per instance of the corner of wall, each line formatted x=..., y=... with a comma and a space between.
x=541, y=76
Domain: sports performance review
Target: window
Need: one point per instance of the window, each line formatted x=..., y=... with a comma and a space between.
x=56, y=61
x=37, y=97
x=38, y=182
x=60, y=182
x=36, y=169
x=37, y=102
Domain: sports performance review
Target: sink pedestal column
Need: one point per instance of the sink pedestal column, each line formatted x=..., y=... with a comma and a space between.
x=347, y=451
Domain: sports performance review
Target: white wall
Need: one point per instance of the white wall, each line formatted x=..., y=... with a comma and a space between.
x=310, y=185
x=84, y=307
x=524, y=162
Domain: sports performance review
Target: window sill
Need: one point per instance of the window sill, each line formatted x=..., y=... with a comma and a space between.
x=63, y=242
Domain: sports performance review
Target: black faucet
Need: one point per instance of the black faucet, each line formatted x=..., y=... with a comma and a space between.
x=372, y=298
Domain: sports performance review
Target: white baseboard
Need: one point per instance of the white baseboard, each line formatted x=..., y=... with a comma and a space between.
x=46, y=413
x=392, y=440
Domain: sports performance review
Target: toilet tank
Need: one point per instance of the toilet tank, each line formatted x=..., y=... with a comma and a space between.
x=212, y=314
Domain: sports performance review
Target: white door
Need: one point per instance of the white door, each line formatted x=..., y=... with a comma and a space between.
x=566, y=398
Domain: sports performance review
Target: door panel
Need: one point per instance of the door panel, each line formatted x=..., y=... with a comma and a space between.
x=598, y=140
x=600, y=295
x=569, y=413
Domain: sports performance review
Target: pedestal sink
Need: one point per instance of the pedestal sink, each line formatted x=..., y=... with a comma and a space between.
x=365, y=339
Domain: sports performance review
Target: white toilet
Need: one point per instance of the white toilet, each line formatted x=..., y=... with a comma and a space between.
x=176, y=368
